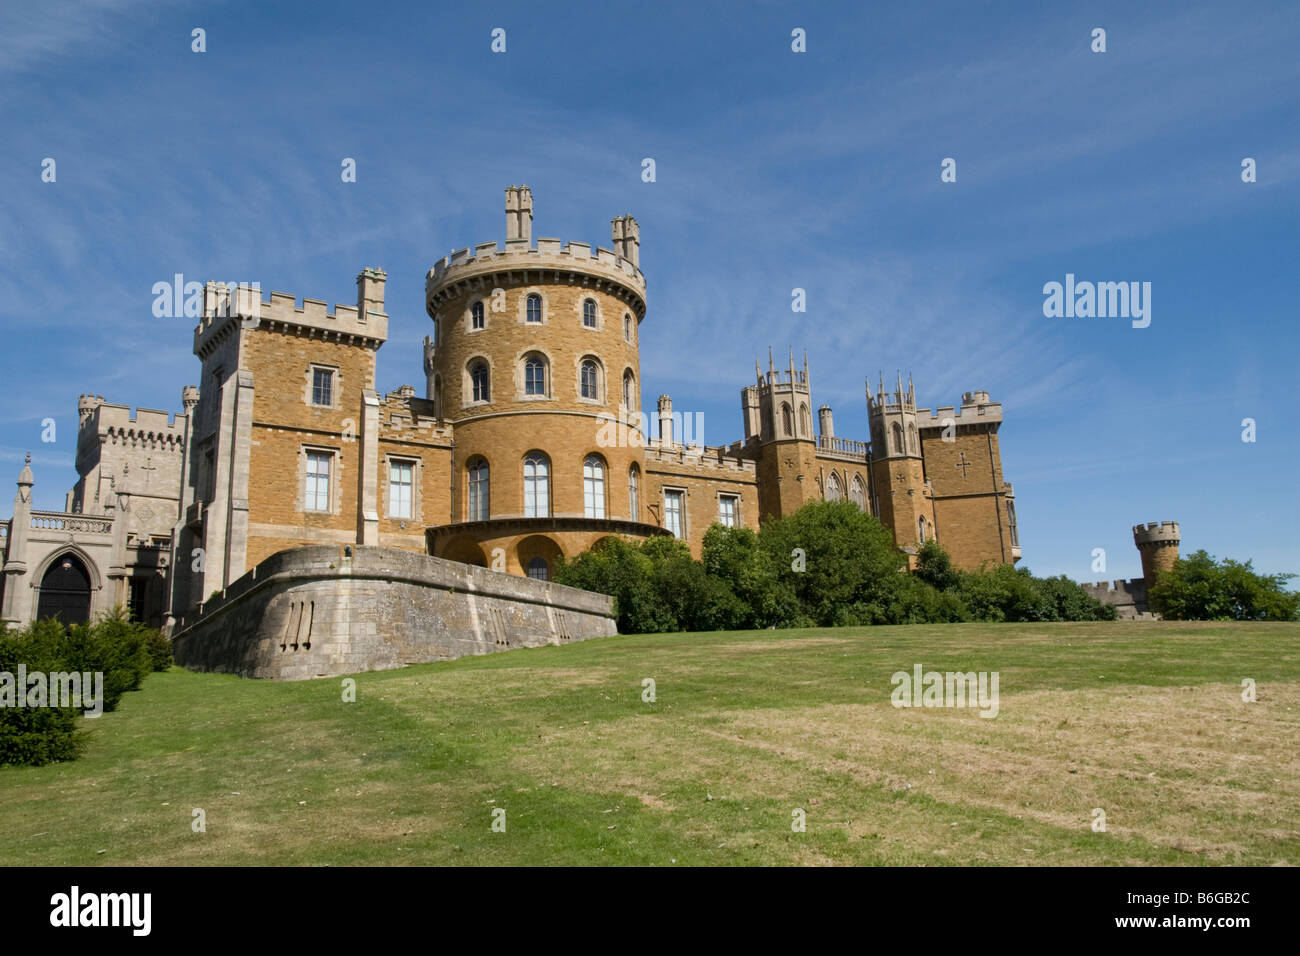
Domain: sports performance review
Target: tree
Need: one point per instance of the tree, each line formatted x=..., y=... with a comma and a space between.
x=1199, y=588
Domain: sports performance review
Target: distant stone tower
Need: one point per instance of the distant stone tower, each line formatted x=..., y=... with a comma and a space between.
x=904, y=499
x=1157, y=542
x=777, y=410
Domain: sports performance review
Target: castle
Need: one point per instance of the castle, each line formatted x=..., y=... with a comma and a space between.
x=526, y=446
x=1157, y=543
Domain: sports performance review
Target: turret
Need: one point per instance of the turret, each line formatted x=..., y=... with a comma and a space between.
x=370, y=293
x=627, y=239
x=519, y=216
x=1157, y=543
x=665, y=420
x=189, y=398
x=825, y=423
x=892, y=418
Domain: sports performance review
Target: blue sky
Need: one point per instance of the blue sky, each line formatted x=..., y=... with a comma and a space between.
x=775, y=170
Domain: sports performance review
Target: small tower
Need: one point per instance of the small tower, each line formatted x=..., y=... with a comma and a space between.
x=777, y=410
x=519, y=217
x=1157, y=543
x=665, y=421
x=904, y=502
x=370, y=293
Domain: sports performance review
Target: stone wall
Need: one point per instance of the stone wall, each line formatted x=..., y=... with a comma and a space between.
x=325, y=611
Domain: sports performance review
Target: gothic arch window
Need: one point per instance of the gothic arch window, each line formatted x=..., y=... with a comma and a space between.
x=805, y=421
x=534, y=307
x=629, y=389
x=897, y=432
x=1011, y=524
x=834, y=490
x=479, y=490
x=476, y=316
x=911, y=439
x=65, y=590
x=589, y=376
x=634, y=493
x=920, y=530
x=627, y=327
x=535, y=377
x=593, y=486
x=589, y=313
x=787, y=419
x=858, y=492
x=537, y=485
x=480, y=389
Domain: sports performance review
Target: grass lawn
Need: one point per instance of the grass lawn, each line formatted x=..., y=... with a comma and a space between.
x=1144, y=721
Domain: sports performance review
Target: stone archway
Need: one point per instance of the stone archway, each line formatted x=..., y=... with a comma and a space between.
x=65, y=590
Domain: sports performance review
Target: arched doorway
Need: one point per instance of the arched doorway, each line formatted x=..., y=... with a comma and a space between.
x=65, y=591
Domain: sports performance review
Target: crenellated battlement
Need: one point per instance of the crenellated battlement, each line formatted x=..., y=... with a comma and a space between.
x=713, y=458
x=976, y=409
x=1156, y=532
x=224, y=309
x=519, y=255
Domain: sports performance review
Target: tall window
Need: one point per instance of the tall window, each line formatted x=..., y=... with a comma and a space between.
x=805, y=419
x=590, y=387
x=589, y=313
x=858, y=493
x=627, y=389
x=834, y=490
x=478, y=491
x=787, y=419
x=634, y=493
x=627, y=327
x=911, y=439
x=534, y=307
x=400, y=481
x=593, y=487
x=1011, y=524
x=729, y=511
x=317, y=496
x=537, y=485
x=478, y=374
x=920, y=530
x=476, y=320
x=535, y=376
x=673, y=512
x=539, y=570
x=322, y=386
x=897, y=431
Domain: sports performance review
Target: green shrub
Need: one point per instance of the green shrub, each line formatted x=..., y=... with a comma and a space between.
x=1198, y=588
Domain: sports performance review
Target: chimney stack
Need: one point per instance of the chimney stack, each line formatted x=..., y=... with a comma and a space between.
x=665, y=420
x=370, y=292
x=519, y=215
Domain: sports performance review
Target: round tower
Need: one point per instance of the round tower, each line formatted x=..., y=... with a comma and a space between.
x=1157, y=542
x=534, y=361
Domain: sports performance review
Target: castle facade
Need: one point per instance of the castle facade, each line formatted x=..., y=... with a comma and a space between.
x=527, y=444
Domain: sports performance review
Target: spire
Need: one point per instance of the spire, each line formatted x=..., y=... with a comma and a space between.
x=25, y=476
x=900, y=386
x=805, y=366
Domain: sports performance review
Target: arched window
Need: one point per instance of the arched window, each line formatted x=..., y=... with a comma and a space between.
x=627, y=327
x=1011, y=524
x=897, y=432
x=920, y=530
x=805, y=420
x=478, y=490
x=787, y=418
x=537, y=485
x=539, y=570
x=589, y=313
x=593, y=486
x=590, y=380
x=911, y=439
x=535, y=375
x=634, y=493
x=834, y=490
x=478, y=375
x=534, y=307
x=628, y=389
x=476, y=316
x=65, y=591
x=858, y=492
